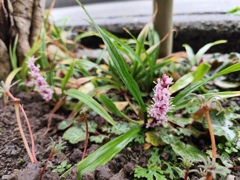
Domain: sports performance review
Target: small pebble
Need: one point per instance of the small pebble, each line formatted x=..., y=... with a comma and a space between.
x=5, y=176
x=231, y=177
x=14, y=152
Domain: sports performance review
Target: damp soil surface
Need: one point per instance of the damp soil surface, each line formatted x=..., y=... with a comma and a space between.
x=16, y=165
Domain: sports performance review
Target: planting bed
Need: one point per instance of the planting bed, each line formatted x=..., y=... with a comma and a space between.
x=15, y=163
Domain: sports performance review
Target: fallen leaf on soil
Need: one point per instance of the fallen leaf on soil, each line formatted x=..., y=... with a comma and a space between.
x=75, y=83
x=55, y=52
x=153, y=138
x=121, y=105
x=146, y=146
x=87, y=88
x=226, y=84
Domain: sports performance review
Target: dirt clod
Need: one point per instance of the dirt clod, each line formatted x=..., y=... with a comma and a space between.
x=76, y=155
x=31, y=172
x=103, y=172
x=118, y=176
x=88, y=176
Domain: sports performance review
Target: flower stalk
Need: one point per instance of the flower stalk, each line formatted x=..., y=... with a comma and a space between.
x=30, y=133
x=55, y=149
x=210, y=128
x=209, y=176
x=16, y=106
x=186, y=173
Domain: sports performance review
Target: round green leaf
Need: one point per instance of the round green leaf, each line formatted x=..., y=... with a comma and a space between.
x=64, y=125
x=74, y=135
x=188, y=151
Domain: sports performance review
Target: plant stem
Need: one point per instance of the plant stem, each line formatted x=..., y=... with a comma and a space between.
x=186, y=173
x=30, y=133
x=210, y=128
x=56, y=107
x=131, y=105
x=131, y=120
x=233, y=167
x=209, y=176
x=87, y=135
x=16, y=106
x=134, y=109
x=45, y=166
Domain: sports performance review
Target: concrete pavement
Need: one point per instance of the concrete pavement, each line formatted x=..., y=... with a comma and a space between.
x=138, y=11
x=197, y=21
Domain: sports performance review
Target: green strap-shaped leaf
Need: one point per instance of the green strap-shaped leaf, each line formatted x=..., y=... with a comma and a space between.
x=187, y=79
x=126, y=49
x=120, y=65
x=109, y=104
x=142, y=38
x=224, y=95
x=91, y=103
x=149, y=51
x=190, y=54
x=13, y=54
x=194, y=86
x=200, y=72
x=11, y=76
x=205, y=48
x=181, y=83
x=106, y=152
x=43, y=60
x=112, y=107
x=194, y=59
x=227, y=94
x=68, y=75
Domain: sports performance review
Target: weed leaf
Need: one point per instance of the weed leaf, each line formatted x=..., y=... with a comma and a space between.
x=120, y=65
x=91, y=103
x=74, y=135
x=106, y=152
x=188, y=151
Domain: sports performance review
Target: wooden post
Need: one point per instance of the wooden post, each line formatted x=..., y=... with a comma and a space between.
x=163, y=25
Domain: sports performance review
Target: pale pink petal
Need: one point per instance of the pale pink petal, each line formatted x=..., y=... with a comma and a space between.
x=161, y=102
x=40, y=83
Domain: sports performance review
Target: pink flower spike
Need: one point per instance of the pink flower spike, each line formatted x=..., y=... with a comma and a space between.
x=165, y=81
x=161, y=102
x=38, y=80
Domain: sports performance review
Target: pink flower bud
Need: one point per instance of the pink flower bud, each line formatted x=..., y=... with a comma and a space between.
x=38, y=80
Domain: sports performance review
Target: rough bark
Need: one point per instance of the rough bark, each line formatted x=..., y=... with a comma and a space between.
x=23, y=18
x=38, y=15
x=7, y=32
x=4, y=61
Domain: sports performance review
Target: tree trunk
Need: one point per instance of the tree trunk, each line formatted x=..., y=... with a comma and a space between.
x=163, y=25
x=22, y=18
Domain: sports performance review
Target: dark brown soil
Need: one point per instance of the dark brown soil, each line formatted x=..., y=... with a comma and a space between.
x=15, y=163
